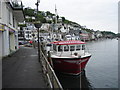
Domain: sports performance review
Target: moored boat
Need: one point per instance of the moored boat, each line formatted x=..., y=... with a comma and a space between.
x=69, y=57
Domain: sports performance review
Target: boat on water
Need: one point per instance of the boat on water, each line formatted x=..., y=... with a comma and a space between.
x=69, y=57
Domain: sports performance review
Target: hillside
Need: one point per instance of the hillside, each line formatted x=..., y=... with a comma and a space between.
x=48, y=17
x=42, y=16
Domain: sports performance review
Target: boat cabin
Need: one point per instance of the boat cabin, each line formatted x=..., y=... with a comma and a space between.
x=67, y=48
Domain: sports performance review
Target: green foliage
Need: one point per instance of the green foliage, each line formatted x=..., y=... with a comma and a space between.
x=118, y=35
x=63, y=19
x=67, y=21
x=57, y=17
x=53, y=20
x=49, y=13
x=22, y=25
x=107, y=32
x=49, y=21
x=29, y=12
x=43, y=31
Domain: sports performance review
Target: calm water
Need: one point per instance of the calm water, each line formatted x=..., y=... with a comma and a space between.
x=101, y=70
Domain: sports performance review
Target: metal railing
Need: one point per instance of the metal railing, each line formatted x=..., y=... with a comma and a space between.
x=50, y=75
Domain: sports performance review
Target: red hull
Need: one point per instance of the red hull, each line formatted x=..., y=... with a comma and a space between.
x=70, y=65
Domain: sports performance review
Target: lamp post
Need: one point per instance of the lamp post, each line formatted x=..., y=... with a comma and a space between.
x=38, y=25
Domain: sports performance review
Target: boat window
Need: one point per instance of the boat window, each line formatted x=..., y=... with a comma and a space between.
x=83, y=47
x=72, y=48
x=54, y=47
x=66, y=48
x=77, y=47
x=60, y=48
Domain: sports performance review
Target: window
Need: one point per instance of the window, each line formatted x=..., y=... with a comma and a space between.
x=66, y=48
x=54, y=47
x=14, y=22
x=27, y=32
x=26, y=36
x=72, y=48
x=60, y=48
x=83, y=47
x=77, y=47
x=9, y=16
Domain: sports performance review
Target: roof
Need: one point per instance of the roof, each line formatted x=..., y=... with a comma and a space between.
x=70, y=42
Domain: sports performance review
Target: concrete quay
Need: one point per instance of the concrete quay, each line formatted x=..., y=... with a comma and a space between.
x=22, y=70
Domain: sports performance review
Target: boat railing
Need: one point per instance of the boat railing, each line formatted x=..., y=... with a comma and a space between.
x=50, y=75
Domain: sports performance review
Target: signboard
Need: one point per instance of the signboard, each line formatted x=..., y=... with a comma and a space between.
x=1, y=27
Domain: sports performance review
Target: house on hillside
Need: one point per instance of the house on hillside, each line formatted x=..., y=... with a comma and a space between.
x=30, y=31
x=92, y=36
x=64, y=28
x=45, y=26
x=75, y=34
x=84, y=35
x=98, y=34
x=26, y=31
x=10, y=14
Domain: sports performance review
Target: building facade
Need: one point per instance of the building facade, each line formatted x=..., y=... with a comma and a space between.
x=10, y=14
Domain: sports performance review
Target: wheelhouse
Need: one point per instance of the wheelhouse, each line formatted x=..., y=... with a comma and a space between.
x=67, y=47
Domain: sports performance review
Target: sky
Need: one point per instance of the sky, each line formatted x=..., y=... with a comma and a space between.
x=94, y=14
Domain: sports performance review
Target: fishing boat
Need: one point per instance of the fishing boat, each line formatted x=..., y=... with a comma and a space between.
x=69, y=57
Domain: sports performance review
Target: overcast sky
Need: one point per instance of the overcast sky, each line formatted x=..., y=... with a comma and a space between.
x=94, y=14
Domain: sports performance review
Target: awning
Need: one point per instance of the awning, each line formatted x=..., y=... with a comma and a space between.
x=11, y=30
x=4, y=28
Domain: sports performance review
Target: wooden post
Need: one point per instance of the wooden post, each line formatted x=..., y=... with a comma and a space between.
x=50, y=59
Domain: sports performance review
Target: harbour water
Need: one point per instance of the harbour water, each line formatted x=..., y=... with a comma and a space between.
x=102, y=69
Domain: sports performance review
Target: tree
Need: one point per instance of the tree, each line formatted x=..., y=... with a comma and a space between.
x=63, y=19
x=29, y=12
x=57, y=17
x=49, y=21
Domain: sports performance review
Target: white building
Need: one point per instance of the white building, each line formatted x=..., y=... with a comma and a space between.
x=29, y=31
x=45, y=26
x=98, y=34
x=10, y=14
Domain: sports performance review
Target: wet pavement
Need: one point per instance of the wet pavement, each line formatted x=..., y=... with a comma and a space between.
x=22, y=70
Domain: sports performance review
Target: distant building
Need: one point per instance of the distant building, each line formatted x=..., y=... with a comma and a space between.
x=98, y=34
x=45, y=27
x=84, y=35
x=29, y=31
x=10, y=14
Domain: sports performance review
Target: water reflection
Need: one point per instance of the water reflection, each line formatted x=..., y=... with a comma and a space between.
x=85, y=83
x=79, y=82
